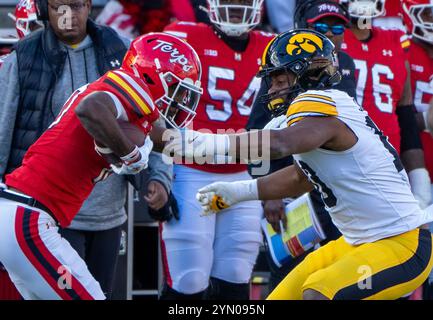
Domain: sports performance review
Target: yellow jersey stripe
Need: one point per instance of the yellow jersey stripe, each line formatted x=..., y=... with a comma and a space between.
x=293, y=121
x=316, y=96
x=125, y=86
x=312, y=106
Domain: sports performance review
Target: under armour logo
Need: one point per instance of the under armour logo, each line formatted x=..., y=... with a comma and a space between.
x=238, y=57
x=364, y=47
x=115, y=63
x=387, y=53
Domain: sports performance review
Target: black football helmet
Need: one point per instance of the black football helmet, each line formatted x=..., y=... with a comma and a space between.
x=309, y=55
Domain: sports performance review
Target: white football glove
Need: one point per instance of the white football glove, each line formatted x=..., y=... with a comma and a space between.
x=221, y=195
x=197, y=146
x=135, y=161
x=421, y=186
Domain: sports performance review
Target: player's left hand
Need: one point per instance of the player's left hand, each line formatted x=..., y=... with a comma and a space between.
x=421, y=186
x=222, y=195
x=156, y=196
x=140, y=156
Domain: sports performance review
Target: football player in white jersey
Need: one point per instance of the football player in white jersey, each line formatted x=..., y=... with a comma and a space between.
x=385, y=251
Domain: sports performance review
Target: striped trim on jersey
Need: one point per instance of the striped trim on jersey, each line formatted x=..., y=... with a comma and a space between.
x=310, y=105
x=48, y=266
x=405, y=42
x=127, y=87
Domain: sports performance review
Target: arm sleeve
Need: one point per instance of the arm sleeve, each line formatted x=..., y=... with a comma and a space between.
x=159, y=169
x=9, y=101
x=409, y=132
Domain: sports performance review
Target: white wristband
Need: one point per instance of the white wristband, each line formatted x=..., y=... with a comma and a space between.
x=102, y=150
x=132, y=156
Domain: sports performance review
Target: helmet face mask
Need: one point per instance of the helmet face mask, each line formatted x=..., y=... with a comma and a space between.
x=172, y=71
x=279, y=100
x=180, y=100
x=234, y=19
x=307, y=57
x=366, y=8
x=419, y=18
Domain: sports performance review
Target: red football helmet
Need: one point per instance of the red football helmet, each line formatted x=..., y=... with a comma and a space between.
x=172, y=70
x=418, y=17
x=25, y=18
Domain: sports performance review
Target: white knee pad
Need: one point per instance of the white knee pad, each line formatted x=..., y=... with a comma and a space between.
x=189, y=256
x=191, y=281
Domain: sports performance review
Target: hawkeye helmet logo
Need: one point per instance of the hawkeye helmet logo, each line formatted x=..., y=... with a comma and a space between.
x=304, y=42
x=175, y=55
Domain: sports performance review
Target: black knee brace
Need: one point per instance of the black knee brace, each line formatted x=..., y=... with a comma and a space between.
x=223, y=290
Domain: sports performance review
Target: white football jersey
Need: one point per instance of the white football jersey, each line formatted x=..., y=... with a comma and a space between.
x=365, y=188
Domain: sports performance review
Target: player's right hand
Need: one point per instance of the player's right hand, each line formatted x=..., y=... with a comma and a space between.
x=136, y=161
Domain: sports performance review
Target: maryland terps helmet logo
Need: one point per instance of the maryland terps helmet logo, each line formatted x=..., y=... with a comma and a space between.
x=304, y=42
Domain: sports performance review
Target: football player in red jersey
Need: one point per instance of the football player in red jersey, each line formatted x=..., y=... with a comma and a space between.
x=383, y=88
x=217, y=252
x=160, y=75
x=418, y=17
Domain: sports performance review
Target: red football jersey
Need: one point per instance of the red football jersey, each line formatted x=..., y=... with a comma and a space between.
x=61, y=167
x=421, y=66
x=393, y=8
x=228, y=81
x=381, y=75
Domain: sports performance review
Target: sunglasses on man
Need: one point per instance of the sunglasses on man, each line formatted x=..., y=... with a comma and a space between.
x=323, y=28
